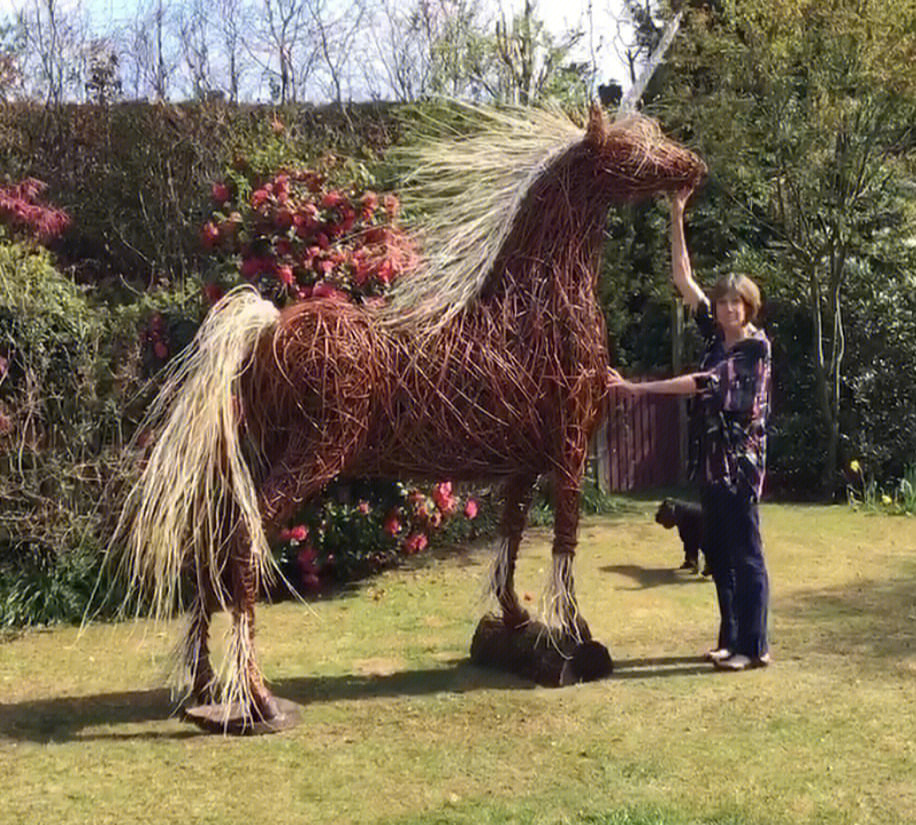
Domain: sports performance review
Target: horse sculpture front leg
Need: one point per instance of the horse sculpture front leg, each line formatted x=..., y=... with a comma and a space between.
x=561, y=608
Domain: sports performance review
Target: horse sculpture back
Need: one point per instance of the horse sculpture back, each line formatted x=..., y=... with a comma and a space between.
x=269, y=406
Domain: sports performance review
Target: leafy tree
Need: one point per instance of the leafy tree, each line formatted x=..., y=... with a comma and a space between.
x=805, y=113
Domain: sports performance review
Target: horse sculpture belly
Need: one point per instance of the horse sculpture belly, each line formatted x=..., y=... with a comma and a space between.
x=267, y=408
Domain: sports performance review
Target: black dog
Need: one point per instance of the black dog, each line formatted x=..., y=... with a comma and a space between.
x=688, y=518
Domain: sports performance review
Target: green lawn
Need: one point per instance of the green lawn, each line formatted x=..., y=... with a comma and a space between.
x=399, y=728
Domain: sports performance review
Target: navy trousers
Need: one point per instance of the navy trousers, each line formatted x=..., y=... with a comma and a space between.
x=734, y=551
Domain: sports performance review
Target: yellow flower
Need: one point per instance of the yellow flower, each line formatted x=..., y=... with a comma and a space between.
x=854, y=466
x=885, y=499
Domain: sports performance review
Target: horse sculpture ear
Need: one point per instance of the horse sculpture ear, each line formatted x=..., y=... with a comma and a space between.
x=597, y=129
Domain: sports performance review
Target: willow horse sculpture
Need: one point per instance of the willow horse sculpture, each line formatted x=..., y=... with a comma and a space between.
x=488, y=362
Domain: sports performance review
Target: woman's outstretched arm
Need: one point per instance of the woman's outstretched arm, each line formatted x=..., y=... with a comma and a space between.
x=689, y=384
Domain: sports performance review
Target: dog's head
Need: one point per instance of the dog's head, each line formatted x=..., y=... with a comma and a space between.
x=666, y=515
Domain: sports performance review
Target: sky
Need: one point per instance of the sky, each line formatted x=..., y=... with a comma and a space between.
x=604, y=41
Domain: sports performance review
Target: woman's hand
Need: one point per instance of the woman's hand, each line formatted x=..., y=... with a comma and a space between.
x=615, y=381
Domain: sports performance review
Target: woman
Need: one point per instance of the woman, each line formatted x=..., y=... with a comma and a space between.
x=732, y=388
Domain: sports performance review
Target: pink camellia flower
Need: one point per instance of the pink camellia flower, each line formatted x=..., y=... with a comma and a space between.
x=369, y=201
x=332, y=199
x=209, y=235
x=392, y=205
x=283, y=219
x=392, y=524
x=442, y=495
x=364, y=508
x=322, y=240
x=470, y=509
x=285, y=275
x=299, y=533
x=415, y=543
x=259, y=197
x=220, y=193
x=385, y=271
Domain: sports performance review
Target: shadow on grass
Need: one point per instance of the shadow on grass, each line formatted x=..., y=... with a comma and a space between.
x=654, y=576
x=62, y=719
x=67, y=719
x=656, y=666
x=873, y=619
x=72, y=718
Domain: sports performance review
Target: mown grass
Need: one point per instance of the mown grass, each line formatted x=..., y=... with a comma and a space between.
x=399, y=729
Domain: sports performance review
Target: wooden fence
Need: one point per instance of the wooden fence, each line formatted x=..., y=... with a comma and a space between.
x=645, y=443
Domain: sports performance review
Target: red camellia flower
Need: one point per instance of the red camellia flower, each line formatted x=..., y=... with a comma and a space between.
x=250, y=267
x=283, y=247
x=285, y=275
x=209, y=235
x=470, y=509
x=212, y=292
x=392, y=524
x=363, y=508
x=283, y=219
x=220, y=193
x=299, y=533
x=415, y=542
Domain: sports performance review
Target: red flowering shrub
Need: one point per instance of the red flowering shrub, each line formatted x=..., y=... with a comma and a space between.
x=23, y=211
x=358, y=528
x=295, y=236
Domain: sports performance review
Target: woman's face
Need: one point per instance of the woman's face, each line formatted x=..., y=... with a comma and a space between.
x=731, y=313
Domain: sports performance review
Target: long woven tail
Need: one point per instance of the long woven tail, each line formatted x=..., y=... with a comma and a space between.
x=196, y=489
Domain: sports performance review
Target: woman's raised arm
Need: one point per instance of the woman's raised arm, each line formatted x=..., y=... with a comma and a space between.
x=681, y=271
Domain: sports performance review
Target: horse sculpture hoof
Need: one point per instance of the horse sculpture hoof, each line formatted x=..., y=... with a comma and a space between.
x=232, y=719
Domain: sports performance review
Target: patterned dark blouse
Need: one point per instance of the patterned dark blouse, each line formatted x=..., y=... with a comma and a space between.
x=733, y=407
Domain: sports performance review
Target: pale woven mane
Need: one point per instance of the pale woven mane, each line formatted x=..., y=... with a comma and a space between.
x=466, y=191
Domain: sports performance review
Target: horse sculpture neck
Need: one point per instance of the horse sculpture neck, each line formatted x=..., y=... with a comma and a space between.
x=555, y=241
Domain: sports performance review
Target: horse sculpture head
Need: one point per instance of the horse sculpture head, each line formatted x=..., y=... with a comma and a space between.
x=635, y=160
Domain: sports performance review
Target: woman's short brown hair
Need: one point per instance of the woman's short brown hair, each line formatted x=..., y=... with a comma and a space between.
x=735, y=283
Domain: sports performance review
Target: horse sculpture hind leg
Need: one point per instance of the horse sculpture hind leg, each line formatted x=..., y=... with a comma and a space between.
x=517, y=492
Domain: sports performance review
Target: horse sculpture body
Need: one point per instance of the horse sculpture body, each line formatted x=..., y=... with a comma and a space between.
x=273, y=404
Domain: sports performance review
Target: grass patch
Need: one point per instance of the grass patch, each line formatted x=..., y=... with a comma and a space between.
x=398, y=728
